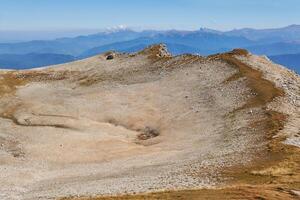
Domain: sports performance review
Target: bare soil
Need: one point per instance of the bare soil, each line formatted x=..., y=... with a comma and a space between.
x=150, y=126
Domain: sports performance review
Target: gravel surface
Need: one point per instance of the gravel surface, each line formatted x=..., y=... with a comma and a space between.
x=75, y=129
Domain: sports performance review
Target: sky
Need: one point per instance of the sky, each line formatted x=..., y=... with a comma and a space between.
x=59, y=15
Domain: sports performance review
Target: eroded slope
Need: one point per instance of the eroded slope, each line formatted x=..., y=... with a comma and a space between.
x=137, y=123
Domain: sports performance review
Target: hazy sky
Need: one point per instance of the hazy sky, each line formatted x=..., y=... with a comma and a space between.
x=160, y=14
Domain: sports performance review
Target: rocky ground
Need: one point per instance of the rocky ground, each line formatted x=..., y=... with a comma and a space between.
x=150, y=122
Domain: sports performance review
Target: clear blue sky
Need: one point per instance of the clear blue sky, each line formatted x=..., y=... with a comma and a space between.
x=160, y=14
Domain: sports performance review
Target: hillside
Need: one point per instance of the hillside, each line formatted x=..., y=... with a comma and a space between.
x=290, y=60
x=183, y=127
x=32, y=60
x=276, y=48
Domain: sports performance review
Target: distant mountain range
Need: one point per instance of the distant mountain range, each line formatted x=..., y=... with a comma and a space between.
x=271, y=42
x=178, y=42
x=289, y=33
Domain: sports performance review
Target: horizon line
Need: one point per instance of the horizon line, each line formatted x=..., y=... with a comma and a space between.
x=138, y=29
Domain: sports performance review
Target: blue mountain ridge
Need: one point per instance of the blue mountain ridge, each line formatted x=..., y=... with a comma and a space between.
x=271, y=42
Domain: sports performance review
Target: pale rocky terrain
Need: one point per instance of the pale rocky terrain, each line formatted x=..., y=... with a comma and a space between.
x=142, y=122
